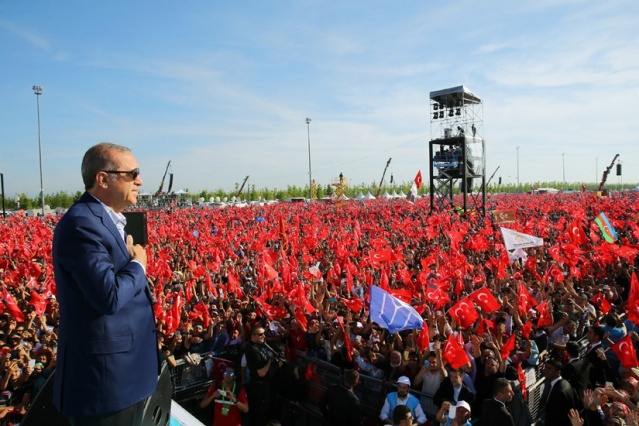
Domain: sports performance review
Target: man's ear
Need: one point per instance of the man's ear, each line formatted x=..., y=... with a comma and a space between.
x=102, y=180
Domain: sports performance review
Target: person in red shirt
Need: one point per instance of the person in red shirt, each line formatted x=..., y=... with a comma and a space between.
x=229, y=398
x=298, y=337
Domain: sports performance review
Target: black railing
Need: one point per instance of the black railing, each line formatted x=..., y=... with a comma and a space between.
x=192, y=381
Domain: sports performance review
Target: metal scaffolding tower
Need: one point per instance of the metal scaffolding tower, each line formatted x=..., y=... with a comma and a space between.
x=457, y=151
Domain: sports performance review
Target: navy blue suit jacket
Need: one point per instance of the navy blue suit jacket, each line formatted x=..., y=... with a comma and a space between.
x=107, y=349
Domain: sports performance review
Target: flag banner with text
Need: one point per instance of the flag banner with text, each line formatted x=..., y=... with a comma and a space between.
x=514, y=239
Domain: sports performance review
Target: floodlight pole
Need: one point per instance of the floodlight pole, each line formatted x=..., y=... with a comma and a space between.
x=563, y=165
x=517, y=170
x=4, y=212
x=310, y=176
x=38, y=91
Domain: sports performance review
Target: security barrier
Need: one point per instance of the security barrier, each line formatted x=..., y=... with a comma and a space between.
x=192, y=378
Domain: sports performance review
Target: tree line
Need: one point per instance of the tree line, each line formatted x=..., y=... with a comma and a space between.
x=64, y=199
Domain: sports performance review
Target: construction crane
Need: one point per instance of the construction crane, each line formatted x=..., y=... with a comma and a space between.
x=163, y=177
x=605, y=173
x=379, y=189
x=241, y=187
x=493, y=175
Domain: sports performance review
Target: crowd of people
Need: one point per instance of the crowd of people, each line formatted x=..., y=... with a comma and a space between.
x=272, y=282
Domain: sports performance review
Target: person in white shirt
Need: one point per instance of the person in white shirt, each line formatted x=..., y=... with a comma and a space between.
x=402, y=397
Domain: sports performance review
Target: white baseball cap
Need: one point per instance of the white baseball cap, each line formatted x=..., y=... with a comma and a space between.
x=403, y=380
x=463, y=404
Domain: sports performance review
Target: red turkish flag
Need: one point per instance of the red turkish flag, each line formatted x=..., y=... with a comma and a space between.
x=355, y=304
x=526, y=300
x=349, y=281
x=423, y=340
x=464, y=313
x=521, y=377
x=268, y=257
x=219, y=367
x=418, y=179
x=174, y=315
x=632, y=307
x=545, y=318
x=437, y=296
x=383, y=281
x=269, y=271
x=600, y=301
x=485, y=299
x=454, y=354
x=12, y=306
x=486, y=326
x=508, y=347
x=526, y=329
x=626, y=352
x=273, y=312
x=38, y=303
x=531, y=264
x=376, y=257
x=575, y=233
x=283, y=234
x=200, y=313
x=347, y=340
x=404, y=276
x=403, y=294
x=189, y=291
x=233, y=282
x=159, y=312
x=310, y=371
x=301, y=319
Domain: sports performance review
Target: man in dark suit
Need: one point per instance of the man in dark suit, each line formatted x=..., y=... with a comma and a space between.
x=577, y=371
x=557, y=397
x=494, y=410
x=107, y=352
x=262, y=366
x=600, y=372
x=339, y=405
x=453, y=390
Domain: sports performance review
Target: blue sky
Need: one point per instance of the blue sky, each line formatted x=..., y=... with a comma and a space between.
x=223, y=88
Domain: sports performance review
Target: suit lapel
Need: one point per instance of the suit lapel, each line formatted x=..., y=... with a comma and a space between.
x=99, y=211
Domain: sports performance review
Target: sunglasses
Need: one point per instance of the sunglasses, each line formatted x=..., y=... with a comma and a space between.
x=133, y=174
x=230, y=373
x=258, y=334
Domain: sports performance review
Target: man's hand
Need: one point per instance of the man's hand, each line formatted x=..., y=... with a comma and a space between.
x=136, y=251
x=575, y=420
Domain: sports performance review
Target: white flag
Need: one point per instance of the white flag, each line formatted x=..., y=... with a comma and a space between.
x=514, y=240
x=412, y=194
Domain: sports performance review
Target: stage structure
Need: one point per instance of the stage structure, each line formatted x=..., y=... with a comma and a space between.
x=457, y=152
x=340, y=183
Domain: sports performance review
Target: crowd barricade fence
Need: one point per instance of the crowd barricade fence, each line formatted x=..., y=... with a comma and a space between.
x=192, y=378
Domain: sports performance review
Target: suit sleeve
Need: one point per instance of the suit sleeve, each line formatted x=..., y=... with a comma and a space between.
x=104, y=273
x=438, y=398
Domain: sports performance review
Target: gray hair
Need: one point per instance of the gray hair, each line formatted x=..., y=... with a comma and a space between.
x=99, y=157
